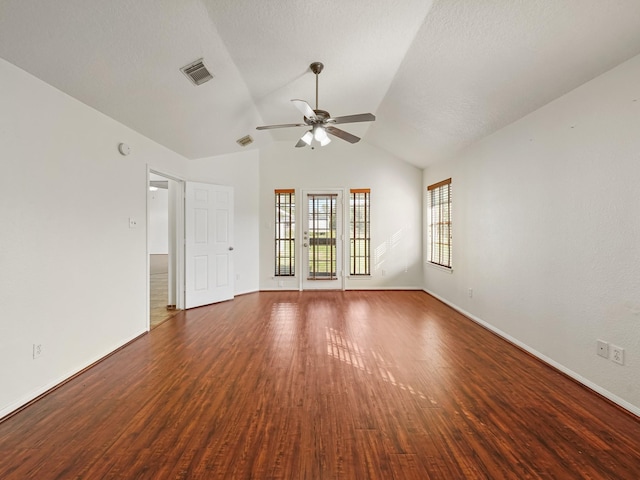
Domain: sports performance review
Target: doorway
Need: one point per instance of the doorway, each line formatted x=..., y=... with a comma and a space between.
x=164, y=218
x=323, y=243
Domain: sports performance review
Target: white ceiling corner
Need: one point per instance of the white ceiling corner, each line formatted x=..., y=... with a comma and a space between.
x=438, y=75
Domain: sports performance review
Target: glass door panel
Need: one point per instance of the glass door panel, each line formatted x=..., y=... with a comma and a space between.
x=322, y=240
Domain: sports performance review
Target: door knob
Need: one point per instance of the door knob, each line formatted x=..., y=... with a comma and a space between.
x=230, y=248
x=304, y=245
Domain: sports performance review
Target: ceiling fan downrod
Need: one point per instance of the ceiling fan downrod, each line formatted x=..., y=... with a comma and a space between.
x=316, y=67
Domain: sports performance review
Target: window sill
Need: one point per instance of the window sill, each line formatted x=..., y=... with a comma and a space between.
x=439, y=267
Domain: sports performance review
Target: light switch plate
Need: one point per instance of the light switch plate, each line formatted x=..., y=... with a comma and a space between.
x=603, y=349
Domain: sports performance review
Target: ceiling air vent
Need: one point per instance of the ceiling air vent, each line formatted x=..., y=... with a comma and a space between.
x=197, y=72
x=244, y=141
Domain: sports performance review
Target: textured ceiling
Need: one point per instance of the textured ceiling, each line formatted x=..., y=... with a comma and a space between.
x=438, y=75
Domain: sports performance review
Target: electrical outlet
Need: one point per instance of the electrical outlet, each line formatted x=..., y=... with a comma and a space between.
x=603, y=349
x=617, y=354
x=37, y=350
x=471, y=293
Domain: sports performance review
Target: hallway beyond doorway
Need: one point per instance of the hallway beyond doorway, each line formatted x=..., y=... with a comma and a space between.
x=158, y=295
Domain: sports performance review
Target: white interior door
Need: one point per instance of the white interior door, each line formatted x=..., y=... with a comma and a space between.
x=208, y=244
x=322, y=240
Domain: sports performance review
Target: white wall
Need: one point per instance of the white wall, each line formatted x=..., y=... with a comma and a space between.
x=240, y=171
x=396, y=206
x=73, y=275
x=546, y=230
x=158, y=234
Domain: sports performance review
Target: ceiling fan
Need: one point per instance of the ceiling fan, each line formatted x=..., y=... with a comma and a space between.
x=320, y=121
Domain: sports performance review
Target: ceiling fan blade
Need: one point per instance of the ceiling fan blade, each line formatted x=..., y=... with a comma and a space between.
x=342, y=134
x=305, y=108
x=360, y=117
x=283, y=125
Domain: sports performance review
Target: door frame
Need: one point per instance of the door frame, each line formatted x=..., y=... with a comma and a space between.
x=341, y=237
x=176, y=224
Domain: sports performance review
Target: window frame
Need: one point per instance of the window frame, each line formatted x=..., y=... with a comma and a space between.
x=359, y=235
x=285, y=240
x=439, y=223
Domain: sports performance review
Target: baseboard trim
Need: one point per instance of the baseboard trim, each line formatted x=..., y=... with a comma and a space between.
x=350, y=289
x=617, y=401
x=245, y=292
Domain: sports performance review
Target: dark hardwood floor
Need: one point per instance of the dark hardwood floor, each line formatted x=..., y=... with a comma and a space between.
x=321, y=385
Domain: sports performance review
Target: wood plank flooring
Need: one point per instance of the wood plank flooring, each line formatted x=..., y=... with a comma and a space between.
x=159, y=290
x=158, y=311
x=321, y=385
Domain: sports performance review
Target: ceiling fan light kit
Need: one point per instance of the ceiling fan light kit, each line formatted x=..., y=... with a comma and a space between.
x=320, y=121
x=306, y=138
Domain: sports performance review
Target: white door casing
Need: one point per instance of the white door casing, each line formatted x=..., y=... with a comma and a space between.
x=322, y=240
x=208, y=244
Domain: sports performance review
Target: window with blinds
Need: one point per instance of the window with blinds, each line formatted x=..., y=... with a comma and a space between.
x=285, y=228
x=439, y=223
x=359, y=232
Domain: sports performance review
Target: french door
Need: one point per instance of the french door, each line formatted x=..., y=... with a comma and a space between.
x=322, y=240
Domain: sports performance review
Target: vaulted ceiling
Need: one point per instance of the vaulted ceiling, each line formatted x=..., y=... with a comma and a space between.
x=438, y=75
